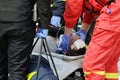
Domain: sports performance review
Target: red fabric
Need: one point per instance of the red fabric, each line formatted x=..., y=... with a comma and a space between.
x=98, y=4
x=88, y=17
x=97, y=7
x=110, y=21
x=101, y=54
x=103, y=51
x=72, y=12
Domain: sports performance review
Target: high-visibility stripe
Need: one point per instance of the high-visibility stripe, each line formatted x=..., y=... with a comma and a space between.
x=97, y=72
x=30, y=75
x=100, y=72
x=51, y=5
x=111, y=75
x=87, y=73
x=107, y=75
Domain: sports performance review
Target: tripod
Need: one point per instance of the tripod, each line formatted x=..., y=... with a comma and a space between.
x=44, y=45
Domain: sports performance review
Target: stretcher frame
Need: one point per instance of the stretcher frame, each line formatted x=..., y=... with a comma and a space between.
x=44, y=45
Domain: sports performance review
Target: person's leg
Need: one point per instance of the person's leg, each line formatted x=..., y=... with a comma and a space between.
x=3, y=53
x=20, y=40
x=98, y=53
x=112, y=64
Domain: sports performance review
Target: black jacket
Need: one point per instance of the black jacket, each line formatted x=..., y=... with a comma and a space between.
x=21, y=10
x=44, y=12
x=16, y=10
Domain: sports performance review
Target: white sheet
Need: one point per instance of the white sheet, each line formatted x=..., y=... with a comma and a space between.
x=65, y=65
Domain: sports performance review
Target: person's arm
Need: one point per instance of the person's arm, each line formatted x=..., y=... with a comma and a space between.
x=44, y=12
x=58, y=9
x=57, y=12
x=67, y=31
x=88, y=19
x=73, y=11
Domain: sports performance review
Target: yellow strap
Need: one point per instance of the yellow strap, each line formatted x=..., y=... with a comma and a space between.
x=30, y=75
x=111, y=75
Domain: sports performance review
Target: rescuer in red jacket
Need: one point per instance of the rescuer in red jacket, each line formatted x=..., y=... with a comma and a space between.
x=101, y=58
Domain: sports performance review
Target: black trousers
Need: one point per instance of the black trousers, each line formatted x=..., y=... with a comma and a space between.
x=15, y=48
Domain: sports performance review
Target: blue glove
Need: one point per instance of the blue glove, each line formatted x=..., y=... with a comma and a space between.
x=82, y=34
x=41, y=33
x=55, y=20
x=64, y=42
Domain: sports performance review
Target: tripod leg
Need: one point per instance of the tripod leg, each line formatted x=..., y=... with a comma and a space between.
x=35, y=43
x=39, y=60
x=45, y=45
x=49, y=53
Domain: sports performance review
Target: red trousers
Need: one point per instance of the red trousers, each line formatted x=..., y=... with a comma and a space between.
x=101, y=59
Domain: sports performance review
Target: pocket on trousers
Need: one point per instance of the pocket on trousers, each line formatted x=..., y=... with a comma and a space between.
x=104, y=38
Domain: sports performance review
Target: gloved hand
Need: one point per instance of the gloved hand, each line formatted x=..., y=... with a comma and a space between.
x=55, y=20
x=41, y=33
x=64, y=42
x=82, y=34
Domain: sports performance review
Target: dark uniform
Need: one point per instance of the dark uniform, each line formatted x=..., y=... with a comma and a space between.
x=58, y=9
x=17, y=34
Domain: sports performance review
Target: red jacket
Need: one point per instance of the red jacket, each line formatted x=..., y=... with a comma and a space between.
x=74, y=9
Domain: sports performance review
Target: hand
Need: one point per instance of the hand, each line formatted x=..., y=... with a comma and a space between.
x=64, y=42
x=41, y=33
x=55, y=20
x=82, y=34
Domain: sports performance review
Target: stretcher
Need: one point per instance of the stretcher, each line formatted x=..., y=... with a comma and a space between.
x=65, y=65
